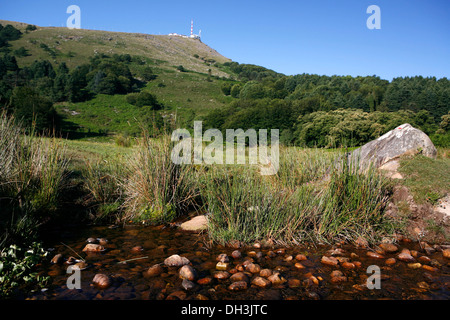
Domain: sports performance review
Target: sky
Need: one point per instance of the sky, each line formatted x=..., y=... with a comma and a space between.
x=325, y=37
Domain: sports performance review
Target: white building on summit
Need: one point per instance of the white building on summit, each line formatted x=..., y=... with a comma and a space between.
x=192, y=35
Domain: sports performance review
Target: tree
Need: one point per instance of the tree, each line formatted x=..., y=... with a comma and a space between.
x=32, y=109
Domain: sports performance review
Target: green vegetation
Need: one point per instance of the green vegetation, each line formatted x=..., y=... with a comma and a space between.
x=427, y=179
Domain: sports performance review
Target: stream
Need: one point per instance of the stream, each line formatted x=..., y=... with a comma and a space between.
x=131, y=250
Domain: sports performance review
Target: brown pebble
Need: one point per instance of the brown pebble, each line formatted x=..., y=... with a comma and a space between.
x=298, y=265
x=446, y=253
x=300, y=257
x=405, y=256
x=390, y=261
x=294, y=283
x=221, y=275
x=102, y=281
x=237, y=286
x=374, y=255
x=430, y=268
x=240, y=276
x=261, y=282
x=253, y=268
x=389, y=247
x=330, y=261
x=348, y=265
x=236, y=254
x=205, y=281
x=265, y=273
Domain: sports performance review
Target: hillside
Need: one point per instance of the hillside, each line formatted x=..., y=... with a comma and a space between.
x=185, y=94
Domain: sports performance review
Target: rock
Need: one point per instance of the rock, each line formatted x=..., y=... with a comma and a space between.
x=81, y=265
x=336, y=273
x=102, y=281
x=176, y=261
x=205, y=281
x=57, y=258
x=427, y=248
x=280, y=251
x=389, y=247
x=276, y=279
x=288, y=258
x=236, y=254
x=253, y=268
x=336, y=252
x=430, y=268
x=390, y=261
x=71, y=260
x=221, y=275
x=300, y=257
x=238, y=286
x=404, y=139
x=414, y=265
x=103, y=241
x=197, y=223
x=294, y=283
x=265, y=273
x=257, y=245
x=446, y=253
x=91, y=240
x=338, y=279
x=92, y=247
x=154, y=271
x=330, y=261
x=239, y=276
x=348, y=265
x=221, y=266
x=261, y=282
x=424, y=259
x=137, y=249
x=222, y=258
x=298, y=265
x=414, y=253
x=405, y=256
x=374, y=255
x=188, y=272
x=177, y=295
x=187, y=284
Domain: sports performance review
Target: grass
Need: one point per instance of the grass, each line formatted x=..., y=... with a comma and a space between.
x=427, y=179
x=307, y=206
x=32, y=176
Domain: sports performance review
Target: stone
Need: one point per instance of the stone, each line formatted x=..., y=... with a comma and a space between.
x=374, y=255
x=276, y=279
x=154, y=271
x=197, y=223
x=223, y=257
x=177, y=295
x=176, y=261
x=102, y=281
x=298, y=265
x=405, y=256
x=221, y=275
x=361, y=242
x=294, y=283
x=348, y=265
x=261, y=282
x=137, y=249
x=430, y=268
x=414, y=265
x=188, y=272
x=300, y=257
x=239, y=276
x=446, y=253
x=205, y=281
x=390, y=261
x=403, y=140
x=81, y=265
x=389, y=247
x=253, y=268
x=221, y=266
x=238, y=286
x=57, y=258
x=265, y=273
x=236, y=254
x=427, y=248
x=424, y=259
x=330, y=261
x=103, y=241
x=91, y=240
x=92, y=247
x=187, y=284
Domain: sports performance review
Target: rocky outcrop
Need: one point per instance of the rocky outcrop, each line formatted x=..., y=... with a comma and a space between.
x=403, y=140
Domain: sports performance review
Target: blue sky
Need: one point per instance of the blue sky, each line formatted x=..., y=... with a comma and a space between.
x=320, y=37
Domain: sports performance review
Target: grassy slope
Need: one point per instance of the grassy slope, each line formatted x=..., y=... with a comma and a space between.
x=188, y=94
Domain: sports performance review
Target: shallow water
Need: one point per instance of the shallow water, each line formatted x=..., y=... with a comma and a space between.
x=130, y=280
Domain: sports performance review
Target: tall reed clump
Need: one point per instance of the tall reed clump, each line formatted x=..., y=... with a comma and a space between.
x=323, y=200
x=156, y=189
x=31, y=177
x=103, y=182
